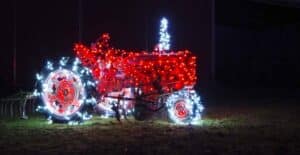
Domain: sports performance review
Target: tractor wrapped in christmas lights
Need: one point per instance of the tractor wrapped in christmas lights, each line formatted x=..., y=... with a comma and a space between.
x=131, y=82
x=134, y=81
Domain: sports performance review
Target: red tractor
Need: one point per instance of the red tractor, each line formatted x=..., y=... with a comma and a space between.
x=122, y=82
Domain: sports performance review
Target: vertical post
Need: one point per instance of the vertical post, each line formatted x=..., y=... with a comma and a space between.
x=11, y=108
x=23, y=107
x=80, y=20
x=146, y=39
x=20, y=110
x=5, y=108
x=2, y=107
x=15, y=45
x=213, y=54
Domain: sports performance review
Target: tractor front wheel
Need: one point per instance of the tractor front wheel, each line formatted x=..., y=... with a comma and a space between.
x=184, y=106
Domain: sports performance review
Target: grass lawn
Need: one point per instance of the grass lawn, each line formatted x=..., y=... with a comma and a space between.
x=226, y=129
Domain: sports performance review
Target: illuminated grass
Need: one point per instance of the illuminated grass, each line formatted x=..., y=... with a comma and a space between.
x=224, y=129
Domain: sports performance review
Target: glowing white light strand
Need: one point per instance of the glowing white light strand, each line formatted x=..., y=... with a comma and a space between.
x=39, y=77
x=49, y=65
x=52, y=80
x=125, y=106
x=63, y=61
x=78, y=71
x=91, y=100
x=164, y=39
x=75, y=65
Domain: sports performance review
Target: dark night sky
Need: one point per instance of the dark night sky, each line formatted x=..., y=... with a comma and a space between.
x=258, y=44
x=255, y=43
x=48, y=29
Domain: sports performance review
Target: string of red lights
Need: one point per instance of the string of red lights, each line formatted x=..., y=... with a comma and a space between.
x=115, y=69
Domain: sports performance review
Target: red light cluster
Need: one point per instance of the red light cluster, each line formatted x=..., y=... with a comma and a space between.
x=153, y=72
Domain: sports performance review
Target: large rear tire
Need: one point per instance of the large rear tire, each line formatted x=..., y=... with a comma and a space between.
x=63, y=94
